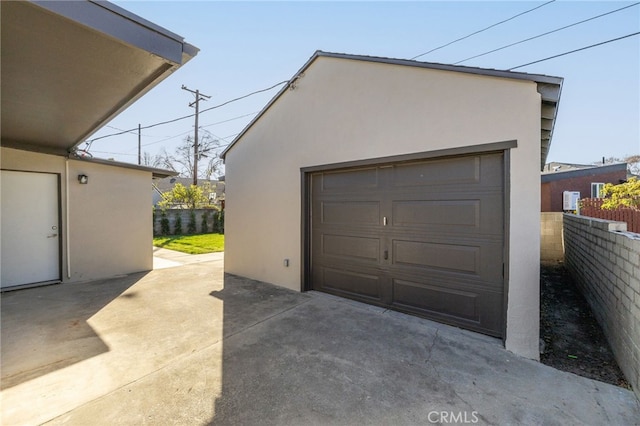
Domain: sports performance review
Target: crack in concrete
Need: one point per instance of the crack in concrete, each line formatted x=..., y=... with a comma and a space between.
x=428, y=360
x=439, y=378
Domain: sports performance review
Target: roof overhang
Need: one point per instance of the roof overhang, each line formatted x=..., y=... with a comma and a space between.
x=68, y=67
x=549, y=88
x=578, y=173
x=156, y=173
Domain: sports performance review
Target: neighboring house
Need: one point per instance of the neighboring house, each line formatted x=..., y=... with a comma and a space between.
x=212, y=189
x=408, y=185
x=587, y=180
x=67, y=69
x=563, y=167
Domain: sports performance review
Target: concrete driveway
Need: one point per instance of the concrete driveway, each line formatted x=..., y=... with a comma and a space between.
x=188, y=345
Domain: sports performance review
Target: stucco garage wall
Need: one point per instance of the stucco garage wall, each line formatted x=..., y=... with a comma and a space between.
x=99, y=245
x=345, y=110
x=103, y=245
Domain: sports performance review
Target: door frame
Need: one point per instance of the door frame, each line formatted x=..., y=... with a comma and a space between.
x=60, y=232
x=503, y=147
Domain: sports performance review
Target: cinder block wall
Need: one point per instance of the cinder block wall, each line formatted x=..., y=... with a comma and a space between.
x=184, y=214
x=551, y=244
x=604, y=260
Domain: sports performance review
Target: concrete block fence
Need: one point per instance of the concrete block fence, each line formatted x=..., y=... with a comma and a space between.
x=551, y=244
x=184, y=214
x=604, y=261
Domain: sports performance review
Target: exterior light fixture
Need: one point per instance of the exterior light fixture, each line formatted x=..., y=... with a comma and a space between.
x=83, y=179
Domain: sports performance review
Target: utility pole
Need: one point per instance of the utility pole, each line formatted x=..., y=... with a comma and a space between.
x=199, y=97
x=139, y=144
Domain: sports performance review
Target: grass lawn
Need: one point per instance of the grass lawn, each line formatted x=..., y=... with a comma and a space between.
x=192, y=244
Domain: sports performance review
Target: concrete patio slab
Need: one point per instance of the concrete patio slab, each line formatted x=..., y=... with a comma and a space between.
x=165, y=258
x=188, y=345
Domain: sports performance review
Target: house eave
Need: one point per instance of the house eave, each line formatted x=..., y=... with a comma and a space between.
x=80, y=63
x=577, y=173
x=155, y=172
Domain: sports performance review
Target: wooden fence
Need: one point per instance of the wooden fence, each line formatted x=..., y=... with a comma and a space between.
x=592, y=207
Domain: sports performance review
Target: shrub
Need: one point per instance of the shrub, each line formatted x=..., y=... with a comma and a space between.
x=153, y=221
x=191, y=226
x=218, y=222
x=177, y=226
x=624, y=195
x=164, y=223
x=204, y=226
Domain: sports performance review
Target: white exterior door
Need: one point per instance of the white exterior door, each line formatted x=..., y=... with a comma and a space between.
x=30, y=228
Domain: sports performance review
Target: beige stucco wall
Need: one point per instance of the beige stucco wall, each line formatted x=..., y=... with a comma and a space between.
x=99, y=245
x=344, y=110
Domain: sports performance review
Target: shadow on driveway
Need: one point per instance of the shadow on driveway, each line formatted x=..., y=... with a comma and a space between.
x=190, y=345
x=47, y=328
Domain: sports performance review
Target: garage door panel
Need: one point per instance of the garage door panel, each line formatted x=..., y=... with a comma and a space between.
x=350, y=213
x=438, y=299
x=480, y=261
x=452, y=213
x=356, y=285
x=457, y=216
x=351, y=247
x=456, y=173
x=465, y=170
x=462, y=259
x=464, y=308
x=349, y=180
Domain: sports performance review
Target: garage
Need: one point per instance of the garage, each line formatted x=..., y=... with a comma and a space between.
x=422, y=237
x=407, y=185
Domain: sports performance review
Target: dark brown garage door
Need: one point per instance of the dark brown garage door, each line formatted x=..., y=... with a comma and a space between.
x=422, y=237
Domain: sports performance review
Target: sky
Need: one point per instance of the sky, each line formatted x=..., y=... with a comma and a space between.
x=249, y=46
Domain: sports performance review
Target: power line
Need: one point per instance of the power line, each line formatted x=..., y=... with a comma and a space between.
x=115, y=153
x=231, y=119
x=190, y=115
x=547, y=33
x=574, y=51
x=220, y=138
x=247, y=95
x=206, y=125
x=126, y=131
x=223, y=138
x=482, y=30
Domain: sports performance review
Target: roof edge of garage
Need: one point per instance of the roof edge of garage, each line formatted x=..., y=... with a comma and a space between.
x=155, y=172
x=549, y=88
x=589, y=171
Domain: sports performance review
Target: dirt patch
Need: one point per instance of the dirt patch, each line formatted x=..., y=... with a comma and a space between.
x=572, y=339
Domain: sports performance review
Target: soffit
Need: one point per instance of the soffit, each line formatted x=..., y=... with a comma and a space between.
x=70, y=67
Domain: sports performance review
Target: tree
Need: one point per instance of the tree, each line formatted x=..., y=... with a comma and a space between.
x=152, y=160
x=182, y=160
x=192, y=197
x=623, y=195
x=633, y=162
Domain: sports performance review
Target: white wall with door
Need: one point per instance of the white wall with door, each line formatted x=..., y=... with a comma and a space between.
x=30, y=223
x=89, y=243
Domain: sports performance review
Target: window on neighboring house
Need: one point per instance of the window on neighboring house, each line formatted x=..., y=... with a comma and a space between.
x=596, y=190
